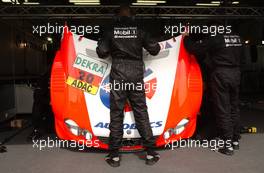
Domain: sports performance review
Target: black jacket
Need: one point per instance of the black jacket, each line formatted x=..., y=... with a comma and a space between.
x=125, y=40
x=223, y=50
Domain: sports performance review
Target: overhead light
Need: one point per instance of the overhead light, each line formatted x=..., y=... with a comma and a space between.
x=144, y=3
x=149, y=1
x=235, y=2
x=262, y=41
x=14, y=1
x=84, y=0
x=86, y=3
x=25, y=2
x=22, y=44
x=31, y=3
x=207, y=4
x=247, y=41
x=215, y=2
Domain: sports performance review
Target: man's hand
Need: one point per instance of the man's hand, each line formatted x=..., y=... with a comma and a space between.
x=186, y=33
x=161, y=45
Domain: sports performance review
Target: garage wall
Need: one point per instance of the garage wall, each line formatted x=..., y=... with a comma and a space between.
x=252, y=77
x=16, y=62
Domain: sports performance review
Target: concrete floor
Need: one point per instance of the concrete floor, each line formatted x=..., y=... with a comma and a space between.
x=23, y=158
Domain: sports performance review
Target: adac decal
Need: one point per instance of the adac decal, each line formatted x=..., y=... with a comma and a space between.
x=82, y=85
x=149, y=78
x=88, y=74
x=126, y=126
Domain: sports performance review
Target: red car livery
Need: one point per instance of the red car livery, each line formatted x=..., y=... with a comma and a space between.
x=80, y=93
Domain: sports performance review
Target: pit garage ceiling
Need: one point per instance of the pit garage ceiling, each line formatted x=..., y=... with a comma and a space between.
x=143, y=8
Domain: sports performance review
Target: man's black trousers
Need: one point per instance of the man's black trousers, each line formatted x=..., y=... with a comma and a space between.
x=126, y=76
x=225, y=93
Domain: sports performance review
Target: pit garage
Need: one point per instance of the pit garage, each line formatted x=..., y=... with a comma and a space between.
x=48, y=109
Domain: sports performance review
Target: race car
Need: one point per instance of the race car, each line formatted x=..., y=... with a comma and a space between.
x=80, y=92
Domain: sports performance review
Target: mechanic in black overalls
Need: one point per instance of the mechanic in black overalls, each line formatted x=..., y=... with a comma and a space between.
x=225, y=51
x=124, y=42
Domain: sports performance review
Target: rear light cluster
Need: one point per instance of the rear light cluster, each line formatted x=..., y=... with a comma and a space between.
x=76, y=130
x=177, y=130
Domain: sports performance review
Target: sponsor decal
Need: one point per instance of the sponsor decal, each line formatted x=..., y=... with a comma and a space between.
x=232, y=41
x=105, y=92
x=125, y=32
x=90, y=65
x=88, y=75
x=82, y=85
x=127, y=126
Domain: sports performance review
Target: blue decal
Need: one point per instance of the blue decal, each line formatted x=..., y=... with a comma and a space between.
x=167, y=45
x=105, y=92
x=127, y=126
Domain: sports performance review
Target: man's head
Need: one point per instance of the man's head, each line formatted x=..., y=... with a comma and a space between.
x=125, y=10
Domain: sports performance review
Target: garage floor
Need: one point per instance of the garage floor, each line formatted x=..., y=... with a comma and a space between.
x=22, y=157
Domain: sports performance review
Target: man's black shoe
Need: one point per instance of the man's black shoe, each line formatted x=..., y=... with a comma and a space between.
x=113, y=161
x=235, y=145
x=2, y=149
x=226, y=150
x=35, y=135
x=152, y=157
